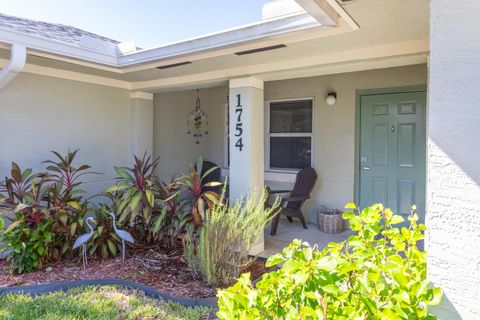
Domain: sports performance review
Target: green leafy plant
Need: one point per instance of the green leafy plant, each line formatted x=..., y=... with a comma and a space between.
x=47, y=206
x=174, y=219
x=30, y=244
x=139, y=198
x=104, y=243
x=199, y=199
x=228, y=234
x=65, y=200
x=378, y=273
x=18, y=186
x=137, y=187
x=65, y=178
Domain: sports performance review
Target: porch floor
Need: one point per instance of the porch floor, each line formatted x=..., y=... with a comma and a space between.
x=287, y=232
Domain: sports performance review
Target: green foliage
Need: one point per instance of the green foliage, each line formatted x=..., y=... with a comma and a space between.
x=104, y=243
x=226, y=237
x=30, y=245
x=48, y=206
x=197, y=198
x=138, y=192
x=64, y=190
x=18, y=186
x=379, y=273
x=95, y=303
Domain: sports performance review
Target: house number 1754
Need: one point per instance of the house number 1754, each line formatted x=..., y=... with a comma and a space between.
x=239, y=124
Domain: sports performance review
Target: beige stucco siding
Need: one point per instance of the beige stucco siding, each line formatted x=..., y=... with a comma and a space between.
x=172, y=145
x=40, y=114
x=334, y=127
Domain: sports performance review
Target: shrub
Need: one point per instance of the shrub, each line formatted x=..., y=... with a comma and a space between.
x=104, y=243
x=30, y=244
x=378, y=273
x=136, y=196
x=46, y=206
x=225, y=239
x=198, y=198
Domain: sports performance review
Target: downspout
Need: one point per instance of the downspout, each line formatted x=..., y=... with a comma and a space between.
x=18, y=57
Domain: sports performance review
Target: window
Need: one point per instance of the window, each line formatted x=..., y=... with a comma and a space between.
x=290, y=134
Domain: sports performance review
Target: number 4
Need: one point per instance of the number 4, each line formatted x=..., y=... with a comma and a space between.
x=239, y=144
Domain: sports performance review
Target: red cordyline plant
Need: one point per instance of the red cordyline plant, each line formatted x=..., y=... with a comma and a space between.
x=65, y=177
x=193, y=185
x=137, y=188
x=19, y=184
x=24, y=194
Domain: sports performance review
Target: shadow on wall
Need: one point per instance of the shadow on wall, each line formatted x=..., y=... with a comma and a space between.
x=453, y=221
x=445, y=310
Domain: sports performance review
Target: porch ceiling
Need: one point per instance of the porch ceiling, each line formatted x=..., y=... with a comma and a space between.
x=392, y=33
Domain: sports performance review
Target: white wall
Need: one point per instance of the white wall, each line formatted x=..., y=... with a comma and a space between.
x=453, y=202
x=39, y=114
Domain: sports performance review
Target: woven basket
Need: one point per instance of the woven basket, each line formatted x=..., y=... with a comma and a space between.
x=331, y=221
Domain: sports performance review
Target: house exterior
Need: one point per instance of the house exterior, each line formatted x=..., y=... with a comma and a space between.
x=403, y=128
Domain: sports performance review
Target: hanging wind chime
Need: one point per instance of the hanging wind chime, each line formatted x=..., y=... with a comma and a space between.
x=197, y=122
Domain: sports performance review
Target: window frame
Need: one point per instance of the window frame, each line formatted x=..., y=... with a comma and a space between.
x=268, y=134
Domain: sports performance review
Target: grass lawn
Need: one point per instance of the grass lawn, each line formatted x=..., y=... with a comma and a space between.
x=106, y=302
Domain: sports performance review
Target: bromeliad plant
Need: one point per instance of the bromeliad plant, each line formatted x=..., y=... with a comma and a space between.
x=379, y=273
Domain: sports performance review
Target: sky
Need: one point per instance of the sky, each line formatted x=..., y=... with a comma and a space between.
x=148, y=23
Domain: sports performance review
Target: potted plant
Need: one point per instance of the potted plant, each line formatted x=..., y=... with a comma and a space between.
x=330, y=221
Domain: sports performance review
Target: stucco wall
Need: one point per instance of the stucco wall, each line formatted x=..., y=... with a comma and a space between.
x=40, y=114
x=334, y=127
x=453, y=201
x=172, y=145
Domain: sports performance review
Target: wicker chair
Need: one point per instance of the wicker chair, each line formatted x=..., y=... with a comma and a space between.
x=292, y=205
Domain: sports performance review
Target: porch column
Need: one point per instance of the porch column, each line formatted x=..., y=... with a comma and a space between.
x=142, y=123
x=246, y=139
x=453, y=184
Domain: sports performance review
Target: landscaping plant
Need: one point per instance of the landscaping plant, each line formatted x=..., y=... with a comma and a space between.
x=66, y=205
x=378, y=273
x=46, y=210
x=226, y=237
x=104, y=243
x=139, y=198
x=193, y=186
x=30, y=243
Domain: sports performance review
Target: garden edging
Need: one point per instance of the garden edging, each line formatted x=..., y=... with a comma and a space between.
x=39, y=289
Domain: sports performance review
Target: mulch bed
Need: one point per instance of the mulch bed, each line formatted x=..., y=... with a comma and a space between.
x=167, y=272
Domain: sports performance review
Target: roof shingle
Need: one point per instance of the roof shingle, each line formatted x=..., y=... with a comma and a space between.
x=59, y=32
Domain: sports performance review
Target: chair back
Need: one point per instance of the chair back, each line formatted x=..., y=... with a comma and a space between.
x=214, y=176
x=304, y=183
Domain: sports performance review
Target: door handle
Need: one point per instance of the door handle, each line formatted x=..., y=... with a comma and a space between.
x=365, y=168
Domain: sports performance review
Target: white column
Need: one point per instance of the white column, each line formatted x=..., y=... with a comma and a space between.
x=246, y=140
x=453, y=192
x=142, y=123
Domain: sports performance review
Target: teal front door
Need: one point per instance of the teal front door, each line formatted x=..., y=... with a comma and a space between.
x=393, y=151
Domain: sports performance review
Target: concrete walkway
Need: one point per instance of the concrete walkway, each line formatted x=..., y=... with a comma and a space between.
x=287, y=232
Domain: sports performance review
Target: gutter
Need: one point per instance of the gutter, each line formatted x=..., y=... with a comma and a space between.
x=18, y=57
